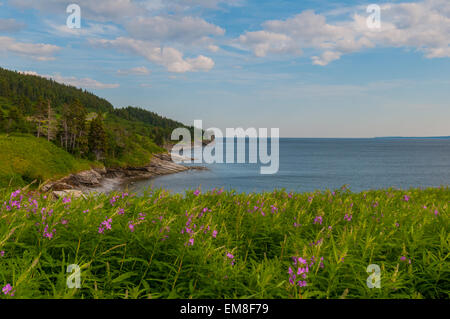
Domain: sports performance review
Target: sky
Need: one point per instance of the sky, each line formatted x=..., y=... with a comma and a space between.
x=310, y=68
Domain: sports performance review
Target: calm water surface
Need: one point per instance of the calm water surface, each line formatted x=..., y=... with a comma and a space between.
x=311, y=164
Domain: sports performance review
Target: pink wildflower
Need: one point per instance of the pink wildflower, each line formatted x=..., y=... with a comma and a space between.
x=318, y=219
x=8, y=290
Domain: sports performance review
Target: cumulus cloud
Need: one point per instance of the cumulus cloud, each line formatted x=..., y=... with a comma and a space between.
x=85, y=83
x=326, y=58
x=264, y=42
x=424, y=26
x=10, y=25
x=141, y=70
x=37, y=51
x=172, y=28
x=121, y=10
x=169, y=57
x=99, y=10
x=163, y=36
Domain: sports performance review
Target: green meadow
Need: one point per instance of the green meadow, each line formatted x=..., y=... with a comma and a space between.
x=226, y=245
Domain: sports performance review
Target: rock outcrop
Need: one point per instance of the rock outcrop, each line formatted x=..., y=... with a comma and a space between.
x=160, y=164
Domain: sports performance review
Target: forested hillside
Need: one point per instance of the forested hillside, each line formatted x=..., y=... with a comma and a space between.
x=81, y=123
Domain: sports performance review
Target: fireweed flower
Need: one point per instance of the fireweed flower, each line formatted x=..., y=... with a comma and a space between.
x=231, y=257
x=85, y=211
x=47, y=234
x=318, y=219
x=197, y=192
x=292, y=279
x=106, y=224
x=302, y=272
x=191, y=242
x=348, y=217
x=8, y=290
x=2, y=253
x=121, y=211
x=214, y=233
x=113, y=200
x=14, y=194
x=66, y=200
x=406, y=198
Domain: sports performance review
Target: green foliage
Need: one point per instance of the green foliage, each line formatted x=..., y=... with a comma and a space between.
x=97, y=137
x=136, y=151
x=24, y=158
x=64, y=115
x=147, y=252
x=26, y=90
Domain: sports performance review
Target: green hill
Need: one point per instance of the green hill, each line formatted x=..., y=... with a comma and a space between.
x=72, y=125
x=25, y=158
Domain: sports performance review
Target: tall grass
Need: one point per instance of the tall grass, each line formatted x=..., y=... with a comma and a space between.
x=227, y=245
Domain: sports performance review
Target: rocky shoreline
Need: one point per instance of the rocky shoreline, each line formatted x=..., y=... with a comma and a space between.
x=109, y=179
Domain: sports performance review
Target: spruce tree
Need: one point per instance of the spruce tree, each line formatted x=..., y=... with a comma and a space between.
x=97, y=137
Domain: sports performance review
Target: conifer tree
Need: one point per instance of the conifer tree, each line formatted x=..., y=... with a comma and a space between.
x=97, y=137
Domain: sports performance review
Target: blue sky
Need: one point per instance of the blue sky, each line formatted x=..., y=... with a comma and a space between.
x=310, y=68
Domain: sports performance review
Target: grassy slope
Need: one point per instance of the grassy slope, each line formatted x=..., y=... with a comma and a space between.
x=261, y=231
x=142, y=150
x=24, y=158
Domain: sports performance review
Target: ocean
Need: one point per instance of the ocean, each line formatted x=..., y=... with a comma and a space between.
x=307, y=165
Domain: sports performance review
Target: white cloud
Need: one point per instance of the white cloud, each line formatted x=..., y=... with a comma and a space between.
x=122, y=10
x=85, y=83
x=264, y=42
x=87, y=30
x=37, y=51
x=213, y=48
x=424, y=26
x=169, y=57
x=10, y=25
x=186, y=5
x=172, y=28
x=141, y=70
x=326, y=58
x=99, y=10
